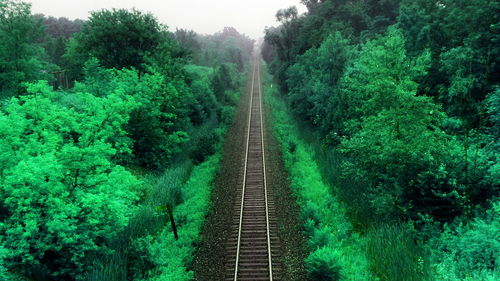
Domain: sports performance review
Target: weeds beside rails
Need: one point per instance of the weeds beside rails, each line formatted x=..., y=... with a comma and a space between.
x=336, y=252
x=173, y=256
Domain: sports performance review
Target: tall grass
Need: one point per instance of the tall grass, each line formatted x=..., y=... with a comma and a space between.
x=172, y=257
x=395, y=255
x=348, y=189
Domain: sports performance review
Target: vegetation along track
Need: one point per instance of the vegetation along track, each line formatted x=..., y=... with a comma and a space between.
x=253, y=243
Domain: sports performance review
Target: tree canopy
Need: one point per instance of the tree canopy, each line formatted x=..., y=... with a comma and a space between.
x=91, y=114
x=21, y=57
x=403, y=97
x=119, y=39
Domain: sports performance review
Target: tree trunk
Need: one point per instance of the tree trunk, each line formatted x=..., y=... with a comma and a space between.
x=170, y=212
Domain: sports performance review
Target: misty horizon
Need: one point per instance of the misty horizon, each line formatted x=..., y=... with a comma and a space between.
x=203, y=17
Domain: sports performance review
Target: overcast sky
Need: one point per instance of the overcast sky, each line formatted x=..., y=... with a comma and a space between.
x=203, y=16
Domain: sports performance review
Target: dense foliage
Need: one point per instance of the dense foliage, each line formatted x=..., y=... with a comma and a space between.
x=21, y=58
x=335, y=254
x=388, y=121
x=403, y=96
x=62, y=196
x=127, y=128
x=118, y=39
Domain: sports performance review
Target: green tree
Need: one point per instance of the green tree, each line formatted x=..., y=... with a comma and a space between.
x=157, y=125
x=224, y=80
x=55, y=39
x=395, y=140
x=20, y=55
x=56, y=35
x=204, y=103
x=415, y=114
x=62, y=197
x=226, y=46
x=118, y=39
x=313, y=83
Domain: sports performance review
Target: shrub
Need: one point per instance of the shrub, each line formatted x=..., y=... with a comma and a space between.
x=225, y=114
x=323, y=265
x=205, y=146
x=320, y=236
x=469, y=251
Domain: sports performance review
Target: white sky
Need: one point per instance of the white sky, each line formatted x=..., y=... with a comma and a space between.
x=203, y=16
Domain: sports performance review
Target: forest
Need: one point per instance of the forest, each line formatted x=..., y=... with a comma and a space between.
x=397, y=102
x=106, y=126
x=386, y=113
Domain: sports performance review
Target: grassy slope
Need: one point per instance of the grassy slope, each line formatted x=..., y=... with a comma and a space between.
x=293, y=241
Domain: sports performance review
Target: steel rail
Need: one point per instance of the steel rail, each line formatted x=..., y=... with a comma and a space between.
x=244, y=176
x=264, y=170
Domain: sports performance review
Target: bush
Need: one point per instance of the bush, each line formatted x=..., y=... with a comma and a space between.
x=320, y=236
x=225, y=114
x=147, y=249
x=469, y=251
x=323, y=265
x=205, y=146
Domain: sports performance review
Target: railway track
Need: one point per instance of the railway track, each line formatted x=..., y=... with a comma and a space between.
x=253, y=245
